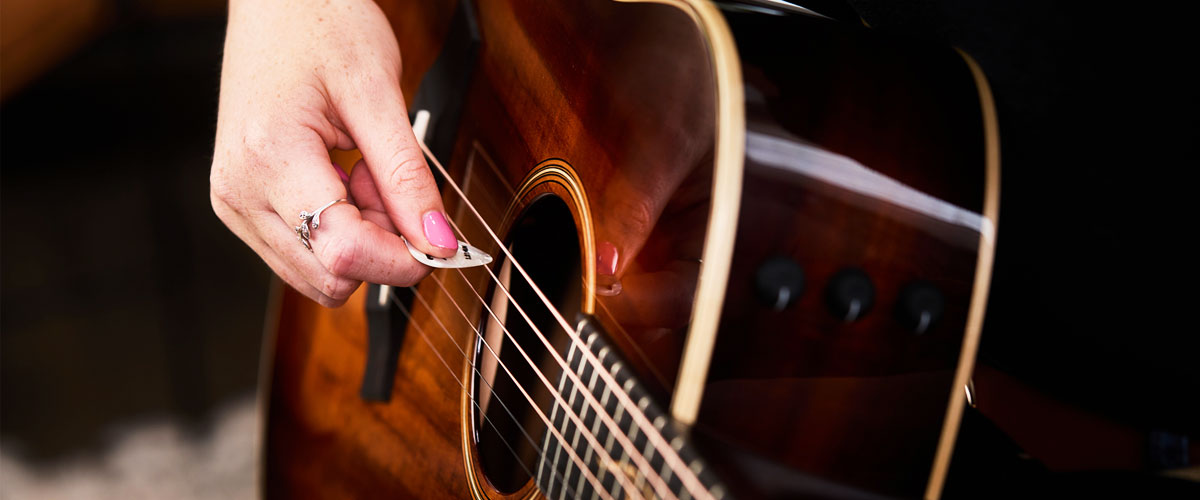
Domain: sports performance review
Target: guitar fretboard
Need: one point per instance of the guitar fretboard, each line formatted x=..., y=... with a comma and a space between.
x=559, y=476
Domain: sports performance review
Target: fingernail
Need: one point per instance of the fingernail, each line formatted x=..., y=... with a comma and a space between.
x=437, y=230
x=341, y=173
x=606, y=258
x=608, y=286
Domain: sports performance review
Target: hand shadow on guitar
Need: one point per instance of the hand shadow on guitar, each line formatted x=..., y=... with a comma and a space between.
x=650, y=235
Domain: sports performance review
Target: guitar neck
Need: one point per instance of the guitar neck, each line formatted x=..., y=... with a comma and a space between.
x=652, y=469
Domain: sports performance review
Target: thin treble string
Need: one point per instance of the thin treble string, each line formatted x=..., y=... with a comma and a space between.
x=471, y=360
x=614, y=429
x=570, y=413
x=395, y=300
x=651, y=433
x=567, y=409
x=495, y=355
x=532, y=404
x=685, y=474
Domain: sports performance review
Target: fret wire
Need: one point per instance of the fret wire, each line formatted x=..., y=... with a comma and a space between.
x=562, y=429
x=649, y=453
x=582, y=415
x=633, y=435
x=558, y=447
x=558, y=397
x=609, y=440
x=591, y=388
x=666, y=473
x=565, y=429
x=553, y=415
x=521, y=350
x=689, y=480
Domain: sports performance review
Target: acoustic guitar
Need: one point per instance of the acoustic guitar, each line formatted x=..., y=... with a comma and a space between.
x=741, y=250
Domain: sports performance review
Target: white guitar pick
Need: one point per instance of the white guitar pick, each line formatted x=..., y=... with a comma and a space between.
x=466, y=256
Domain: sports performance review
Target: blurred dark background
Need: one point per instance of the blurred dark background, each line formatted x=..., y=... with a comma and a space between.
x=1098, y=125
x=123, y=296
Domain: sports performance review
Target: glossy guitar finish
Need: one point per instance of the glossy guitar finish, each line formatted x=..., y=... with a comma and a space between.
x=852, y=151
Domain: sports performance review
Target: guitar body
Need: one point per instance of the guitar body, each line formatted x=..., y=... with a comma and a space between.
x=707, y=190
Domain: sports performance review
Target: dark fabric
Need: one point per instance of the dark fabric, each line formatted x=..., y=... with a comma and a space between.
x=1097, y=108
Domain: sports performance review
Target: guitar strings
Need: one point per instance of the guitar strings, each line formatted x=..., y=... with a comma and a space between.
x=635, y=412
x=671, y=458
x=568, y=411
x=437, y=353
x=632, y=452
x=549, y=426
x=579, y=427
x=471, y=362
x=396, y=301
x=496, y=356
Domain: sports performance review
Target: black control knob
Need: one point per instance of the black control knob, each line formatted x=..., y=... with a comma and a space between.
x=919, y=307
x=850, y=294
x=779, y=282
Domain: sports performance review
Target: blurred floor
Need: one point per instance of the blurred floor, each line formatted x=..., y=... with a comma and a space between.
x=150, y=458
x=123, y=298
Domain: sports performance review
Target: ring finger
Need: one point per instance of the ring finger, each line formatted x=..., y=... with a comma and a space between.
x=346, y=248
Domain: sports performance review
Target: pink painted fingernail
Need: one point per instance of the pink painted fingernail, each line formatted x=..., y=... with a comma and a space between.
x=341, y=173
x=606, y=258
x=437, y=230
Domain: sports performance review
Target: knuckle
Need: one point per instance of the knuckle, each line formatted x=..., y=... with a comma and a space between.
x=330, y=302
x=265, y=142
x=637, y=216
x=338, y=289
x=381, y=76
x=339, y=256
x=409, y=175
x=219, y=189
x=222, y=194
x=256, y=140
x=308, y=291
x=220, y=208
x=371, y=79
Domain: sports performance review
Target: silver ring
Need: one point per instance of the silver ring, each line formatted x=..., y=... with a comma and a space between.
x=303, y=232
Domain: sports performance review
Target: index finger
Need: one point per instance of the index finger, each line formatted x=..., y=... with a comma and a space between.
x=377, y=119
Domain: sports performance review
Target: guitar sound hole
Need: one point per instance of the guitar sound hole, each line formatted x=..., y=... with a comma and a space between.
x=508, y=431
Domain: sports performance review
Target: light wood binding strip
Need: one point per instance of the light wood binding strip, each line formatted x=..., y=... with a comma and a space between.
x=979, y=293
x=723, y=213
x=559, y=171
x=562, y=173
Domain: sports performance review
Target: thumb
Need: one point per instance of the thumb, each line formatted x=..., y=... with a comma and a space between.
x=377, y=121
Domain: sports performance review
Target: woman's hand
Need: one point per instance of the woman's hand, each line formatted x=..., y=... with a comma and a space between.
x=299, y=78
